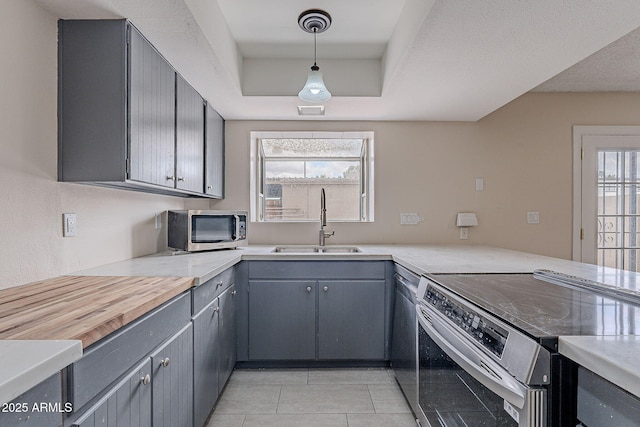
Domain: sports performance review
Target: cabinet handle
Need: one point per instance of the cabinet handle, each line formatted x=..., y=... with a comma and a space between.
x=181, y=178
x=209, y=187
x=217, y=309
x=170, y=177
x=145, y=380
x=309, y=288
x=219, y=283
x=165, y=362
x=326, y=288
x=234, y=292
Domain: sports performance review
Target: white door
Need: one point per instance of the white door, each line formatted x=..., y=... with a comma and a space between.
x=607, y=196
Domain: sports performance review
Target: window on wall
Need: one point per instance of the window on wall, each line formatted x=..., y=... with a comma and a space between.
x=290, y=169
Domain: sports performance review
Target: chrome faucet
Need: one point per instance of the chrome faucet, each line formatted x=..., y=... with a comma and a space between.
x=323, y=220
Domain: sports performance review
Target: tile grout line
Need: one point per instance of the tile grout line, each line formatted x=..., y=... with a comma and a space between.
x=373, y=405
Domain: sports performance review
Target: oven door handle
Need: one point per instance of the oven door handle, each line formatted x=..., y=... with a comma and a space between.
x=472, y=360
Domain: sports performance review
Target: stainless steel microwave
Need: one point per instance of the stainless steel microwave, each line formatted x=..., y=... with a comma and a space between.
x=193, y=230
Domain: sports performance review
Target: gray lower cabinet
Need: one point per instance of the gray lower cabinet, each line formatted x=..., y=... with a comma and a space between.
x=227, y=332
x=172, y=381
x=127, y=404
x=41, y=406
x=214, y=352
x=282, y=320
x=111, y=385
x=316, y=311
x=351, y=320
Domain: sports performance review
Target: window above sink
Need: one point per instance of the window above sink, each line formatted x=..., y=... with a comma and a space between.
x=288, y=170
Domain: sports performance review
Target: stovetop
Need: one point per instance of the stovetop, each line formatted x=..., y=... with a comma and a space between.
x=542, y=309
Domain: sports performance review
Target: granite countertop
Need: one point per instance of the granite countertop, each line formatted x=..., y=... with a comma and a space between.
x=434, y=259
x=25, y=364
x=614, y=358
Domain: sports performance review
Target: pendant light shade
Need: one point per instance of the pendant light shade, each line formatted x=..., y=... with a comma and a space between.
x=314, y=21
x=314, y=90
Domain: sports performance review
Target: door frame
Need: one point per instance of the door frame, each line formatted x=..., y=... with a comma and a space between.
x=579, y=132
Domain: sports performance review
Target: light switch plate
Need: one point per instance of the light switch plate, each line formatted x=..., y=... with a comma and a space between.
x=479, y=184
x=533, y=217
x=69, y=225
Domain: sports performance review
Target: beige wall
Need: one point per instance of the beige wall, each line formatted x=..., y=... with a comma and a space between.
x=112, y=225
x=523, y=152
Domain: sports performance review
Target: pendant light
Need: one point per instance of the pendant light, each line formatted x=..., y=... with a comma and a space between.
x=314, y=21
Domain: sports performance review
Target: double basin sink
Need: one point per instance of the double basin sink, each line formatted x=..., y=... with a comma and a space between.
x=303, y=249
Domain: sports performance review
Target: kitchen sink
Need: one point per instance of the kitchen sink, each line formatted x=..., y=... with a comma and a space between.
x=302, y=249
x=340, y=249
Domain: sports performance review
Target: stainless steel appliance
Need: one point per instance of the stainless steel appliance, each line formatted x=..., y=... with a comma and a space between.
x=475, y=369
x=204, y=230
x=488, y=343
x=404, y=355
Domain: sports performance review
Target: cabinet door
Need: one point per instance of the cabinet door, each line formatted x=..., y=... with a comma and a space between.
x=282, y=320
x=172, y=404
x=351, y=319
x=205, y=362
x=152, y=114
x=128, y=404
x=189, y=137
x=227, y=335
x=214, y=154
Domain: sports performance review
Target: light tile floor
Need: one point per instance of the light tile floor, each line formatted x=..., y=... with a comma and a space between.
x=312, y=398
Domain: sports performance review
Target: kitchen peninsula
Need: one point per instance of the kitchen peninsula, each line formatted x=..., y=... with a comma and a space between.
x=182, y=272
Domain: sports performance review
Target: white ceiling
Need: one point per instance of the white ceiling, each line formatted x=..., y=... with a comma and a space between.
x=385, y=59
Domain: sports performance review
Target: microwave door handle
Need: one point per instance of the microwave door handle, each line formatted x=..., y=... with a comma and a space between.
x=485, y=371
x=237, y=235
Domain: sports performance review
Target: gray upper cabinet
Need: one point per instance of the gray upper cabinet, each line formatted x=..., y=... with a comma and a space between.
x=214, y=154
x=126, y=118
x=152, y=110
x=189, y=137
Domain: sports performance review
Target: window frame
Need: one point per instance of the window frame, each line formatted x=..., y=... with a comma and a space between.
x=257, y=172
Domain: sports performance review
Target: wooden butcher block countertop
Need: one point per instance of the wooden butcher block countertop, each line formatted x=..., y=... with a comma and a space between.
x=85, y=308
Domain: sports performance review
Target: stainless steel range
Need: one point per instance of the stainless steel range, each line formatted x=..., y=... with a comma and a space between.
x=487, y=346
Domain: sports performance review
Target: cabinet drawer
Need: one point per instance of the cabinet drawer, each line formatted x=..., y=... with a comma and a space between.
x=316, y=270
x=109, y=358
x=211, y=289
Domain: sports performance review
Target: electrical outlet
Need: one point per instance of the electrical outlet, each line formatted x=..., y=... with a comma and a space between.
x=410, y=219
x=69, y=225
x=464, y=233
x=533, y=217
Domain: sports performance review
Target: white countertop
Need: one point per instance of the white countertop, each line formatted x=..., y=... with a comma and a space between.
x=420, y=259
x=614, y=358
x=24, y=364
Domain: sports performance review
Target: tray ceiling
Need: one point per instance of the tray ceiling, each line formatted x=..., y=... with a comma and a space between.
x=384, y=59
